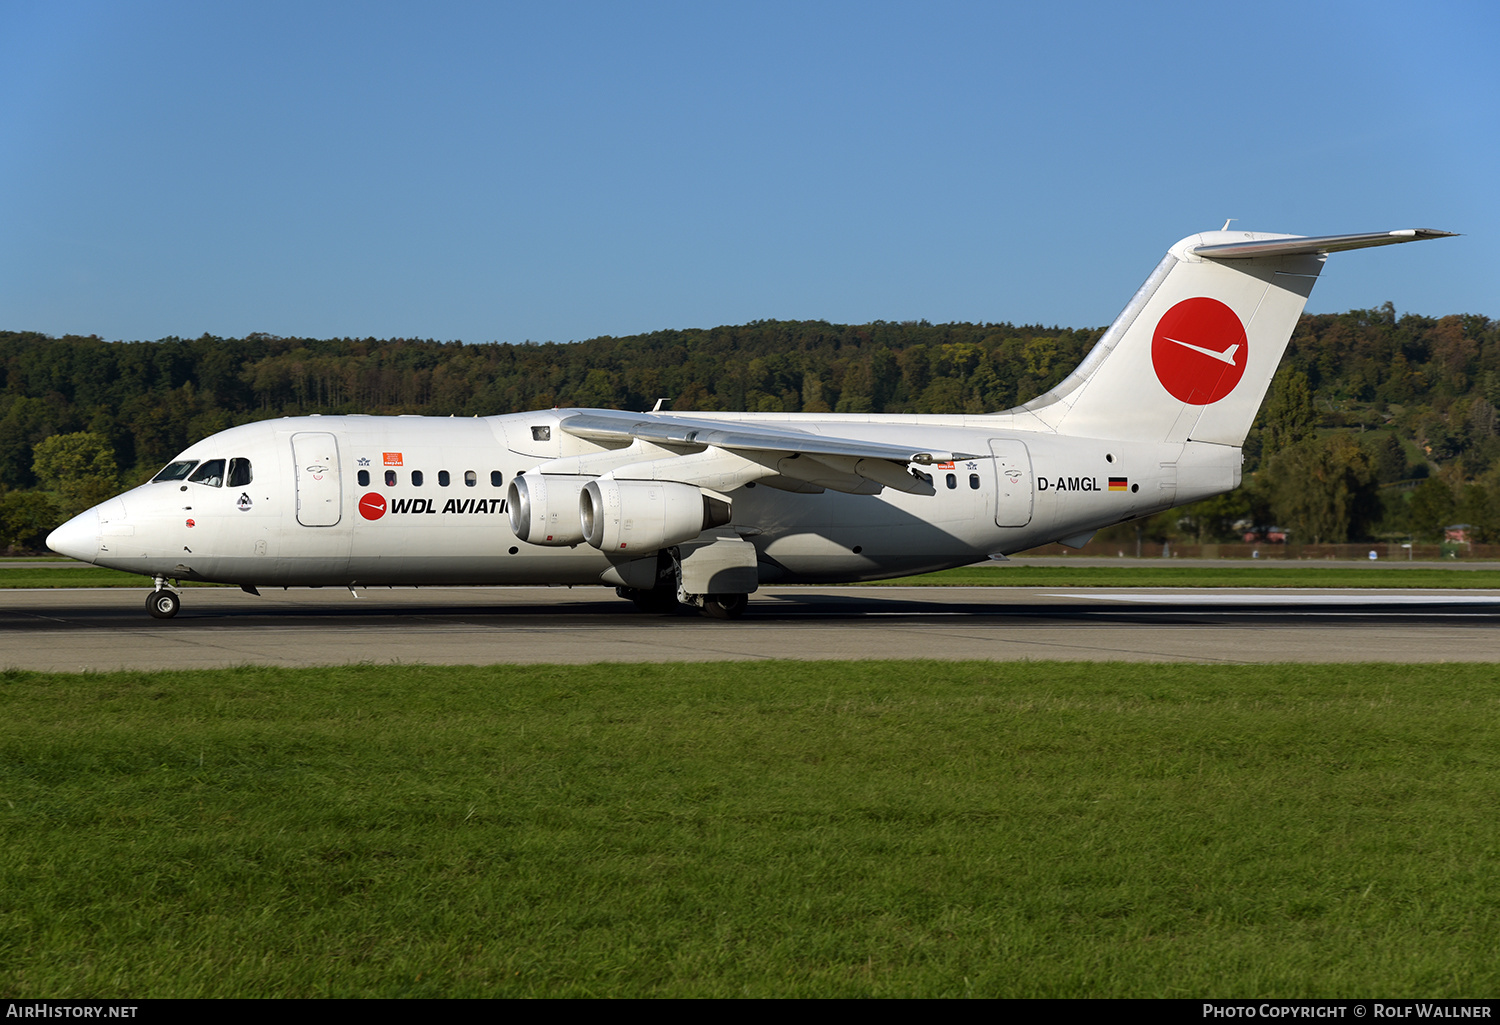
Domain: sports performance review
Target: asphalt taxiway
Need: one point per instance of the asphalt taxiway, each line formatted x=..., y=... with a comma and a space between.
x=102, y=629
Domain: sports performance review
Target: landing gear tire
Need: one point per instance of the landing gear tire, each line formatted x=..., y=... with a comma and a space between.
x=163, y=604
x=725, y=606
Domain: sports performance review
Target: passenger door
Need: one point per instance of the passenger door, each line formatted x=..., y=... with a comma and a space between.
x=319, y=482
x=1014, y=486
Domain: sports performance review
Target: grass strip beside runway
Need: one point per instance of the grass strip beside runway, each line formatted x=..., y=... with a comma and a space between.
x=1136, y=574
x=76, y=575
x=770, y=829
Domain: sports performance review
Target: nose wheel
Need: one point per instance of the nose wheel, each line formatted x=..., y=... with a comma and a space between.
x=162, y=603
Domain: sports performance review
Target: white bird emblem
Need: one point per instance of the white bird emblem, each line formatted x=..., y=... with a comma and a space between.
x=1227, y=356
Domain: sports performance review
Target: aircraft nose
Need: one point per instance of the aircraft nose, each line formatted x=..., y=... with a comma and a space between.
x=78, y=538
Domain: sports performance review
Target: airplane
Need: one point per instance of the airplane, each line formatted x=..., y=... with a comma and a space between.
x=699, y=509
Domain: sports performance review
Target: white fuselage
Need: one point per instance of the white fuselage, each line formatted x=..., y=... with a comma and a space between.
x=369, y=500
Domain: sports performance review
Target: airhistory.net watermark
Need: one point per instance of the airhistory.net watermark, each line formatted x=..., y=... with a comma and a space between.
x=43, y=1009
x=1348, y=1009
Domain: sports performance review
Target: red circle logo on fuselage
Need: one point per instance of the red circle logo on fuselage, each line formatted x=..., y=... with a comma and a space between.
x=1199, y=351
x=372, y=507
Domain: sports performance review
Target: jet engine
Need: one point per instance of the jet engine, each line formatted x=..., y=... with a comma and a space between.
x=544, y=508
x=646, y=515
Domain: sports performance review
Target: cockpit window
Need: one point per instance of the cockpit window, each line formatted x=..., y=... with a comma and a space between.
x=210, y=473
x=239, y=473
x=176, y=471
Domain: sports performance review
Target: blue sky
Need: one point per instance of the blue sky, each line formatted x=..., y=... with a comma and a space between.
x=564, y=170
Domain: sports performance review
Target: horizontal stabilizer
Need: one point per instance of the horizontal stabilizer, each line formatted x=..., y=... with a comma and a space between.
x=1315, y=244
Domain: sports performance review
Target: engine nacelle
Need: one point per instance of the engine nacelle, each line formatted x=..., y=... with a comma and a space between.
x=645, y=515
x=544, y=508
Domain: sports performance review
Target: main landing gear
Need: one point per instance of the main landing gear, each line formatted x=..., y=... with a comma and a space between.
x=716, y=577
x=662, y=601
x=667, y=596
x=724, y=606
x=162, y=603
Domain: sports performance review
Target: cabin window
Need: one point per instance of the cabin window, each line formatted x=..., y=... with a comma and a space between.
x=416, y=478
x=390, y=478
x=239, y=473
x=541, y=434
x=470, y=478
x=442, y=478
x=210, y=473
x=952, y=481
x=176, y=471
x=364, y=478
x=496, y=478
x=974, y=481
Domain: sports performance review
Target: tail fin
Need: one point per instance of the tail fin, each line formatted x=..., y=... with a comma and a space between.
x=1192, y=354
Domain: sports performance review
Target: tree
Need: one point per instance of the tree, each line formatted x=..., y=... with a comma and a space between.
x=79, y=468
x=1387, y=455
x=1431, y=509
x=26, y=517
x=1213, y=519
x=1325, y=489
x=597, y=390
x=1476, y=507
x=1289, y=417
x=855, y=389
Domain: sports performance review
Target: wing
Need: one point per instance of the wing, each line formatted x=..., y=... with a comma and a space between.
x=725, y=454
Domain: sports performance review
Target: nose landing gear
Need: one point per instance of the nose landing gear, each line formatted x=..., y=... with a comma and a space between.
x=162, y=603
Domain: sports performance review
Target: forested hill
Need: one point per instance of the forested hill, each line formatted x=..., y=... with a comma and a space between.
x=1425, y=389
x=151, y=399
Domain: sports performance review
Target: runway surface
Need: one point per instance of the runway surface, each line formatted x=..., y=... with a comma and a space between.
x=73, y=630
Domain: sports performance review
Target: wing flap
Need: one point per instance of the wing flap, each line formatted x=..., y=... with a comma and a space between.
x=783, y=457
x=665, y=429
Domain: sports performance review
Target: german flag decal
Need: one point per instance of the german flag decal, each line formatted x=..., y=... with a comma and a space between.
x=1119, y=484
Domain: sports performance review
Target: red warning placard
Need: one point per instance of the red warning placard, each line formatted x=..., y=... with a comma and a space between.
x=1199, y=350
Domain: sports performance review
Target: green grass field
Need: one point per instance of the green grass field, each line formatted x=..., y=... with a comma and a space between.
x=75, y=575
x=772, y=829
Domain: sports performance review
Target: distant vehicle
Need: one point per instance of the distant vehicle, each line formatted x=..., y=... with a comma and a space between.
x=699, y=509
x=1270, y=535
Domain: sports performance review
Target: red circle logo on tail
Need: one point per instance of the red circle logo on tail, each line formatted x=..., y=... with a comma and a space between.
x=372, y=507
x=1199, y=351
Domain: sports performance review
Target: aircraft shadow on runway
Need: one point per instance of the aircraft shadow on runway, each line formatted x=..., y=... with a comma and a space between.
x=780, y=609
